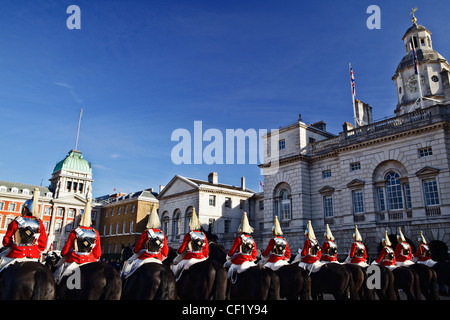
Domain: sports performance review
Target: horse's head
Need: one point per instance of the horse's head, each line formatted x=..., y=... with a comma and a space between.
x=51, y=259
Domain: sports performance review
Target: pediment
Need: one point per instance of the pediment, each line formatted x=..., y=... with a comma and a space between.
x=177, y=185
x=73, y=200
x=356, y=183
x=326, y=190
x=427, y=171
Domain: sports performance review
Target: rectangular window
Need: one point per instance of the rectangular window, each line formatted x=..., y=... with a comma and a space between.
x=2, y=205
x=48, y=211
x=326, y=174
x=241, y=204
x=281, y=144
x=381, y=201
x=328, y=206
x=71, y=213
x=227, y=202
x=59, y=212
x=212, y=201
x=355, y=166
x=430, y=192
x=261, y=204
x=12, y=206
x=425, y=152
x=358, y=201
x=131, y=226
x=226, y=226
x=408, y=196
x=57, y=225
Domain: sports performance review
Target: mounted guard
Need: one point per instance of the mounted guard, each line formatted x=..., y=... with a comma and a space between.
x=329, y=248
x=358, y=252
x=82, y=246
x=243, y=253
x=193, y=249
x=423, y=255
x=25, y=238
x=403, y=252
x=151, y=246
x=277, y=253
x=386, y=256
x=310, y=255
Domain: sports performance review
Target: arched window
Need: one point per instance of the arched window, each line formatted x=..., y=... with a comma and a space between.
x=187, y=219
x=282, y=202
x=176, y=226
x=394, y=195
x=165, y=223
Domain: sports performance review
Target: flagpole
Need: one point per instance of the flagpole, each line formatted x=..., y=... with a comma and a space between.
x=78, y=131
x=352, y=84
x=416, y=66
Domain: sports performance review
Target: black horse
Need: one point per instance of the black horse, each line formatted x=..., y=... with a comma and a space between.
x=359, y=277
x=256, y=283
x=97, y=281
x=439, y=253
x=151, y=281
x=386, y=290
x=335, y=279
x=427, y=281
x=204, y=280
x=27, y=281
x=295, y=282
x=406, y=278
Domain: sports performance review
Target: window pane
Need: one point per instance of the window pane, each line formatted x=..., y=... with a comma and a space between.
x=381, y=202
x=358, y=202
x=328, y=206
x=430, y=191
x=394, y=191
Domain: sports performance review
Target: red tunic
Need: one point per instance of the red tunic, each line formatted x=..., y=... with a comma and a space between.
x=326, y=256
x=240, y=257
x=307, y=257
x=352, y=255
x=141, y=244
x=18, y=251
x=274, y=257
x=381, y=258
x=422, y=253
x=193, y=255
x=398, y=252
x=69, y=248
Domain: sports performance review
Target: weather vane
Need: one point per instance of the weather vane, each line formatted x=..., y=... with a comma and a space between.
x=414, y=19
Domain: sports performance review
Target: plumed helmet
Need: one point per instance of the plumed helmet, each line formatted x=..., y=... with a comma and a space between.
x=356, y=234
x=400, y=234
x=245, y=227
x=85, y=220
x=422, y=238
x=328, y=233
x=153, y=219
x=309, y=232
x=194, y=224
x=33, y=204
x=276, y=227
x=386, y=239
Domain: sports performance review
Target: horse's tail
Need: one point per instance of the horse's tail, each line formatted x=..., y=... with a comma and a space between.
x=220, y=282
x=113, y=287
x=274, y=289
x=44, y=287
x=416, y=285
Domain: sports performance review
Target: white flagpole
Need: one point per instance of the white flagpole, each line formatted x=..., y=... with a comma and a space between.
x=78, y=131
x=355, y=119
x=418, y=75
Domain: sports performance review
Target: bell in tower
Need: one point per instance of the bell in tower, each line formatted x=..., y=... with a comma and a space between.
x=422, y=76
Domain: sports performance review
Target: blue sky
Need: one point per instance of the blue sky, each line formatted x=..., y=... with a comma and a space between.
x=142, y=69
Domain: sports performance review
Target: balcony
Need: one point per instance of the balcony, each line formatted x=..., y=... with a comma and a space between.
x=396, y=215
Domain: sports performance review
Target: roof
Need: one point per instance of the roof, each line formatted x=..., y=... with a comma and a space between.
x=146, y=194
x=219, y=185
x=21, y=186
x=423, y=54
x=415, y=27
x=74, y=161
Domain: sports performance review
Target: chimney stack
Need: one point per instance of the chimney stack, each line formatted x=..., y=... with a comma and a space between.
x=213, y=178
x=243, y=183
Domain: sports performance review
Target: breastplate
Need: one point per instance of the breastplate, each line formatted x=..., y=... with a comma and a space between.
x=247, y=245
x=85, y=239
x=280, y=246
x=332, y=250
x=27, y=231
x=198, y=240
x=406, y=249
x=314, y=247
x=426, y=251
x=155, y=241
x=360, y=250
x=389, y=254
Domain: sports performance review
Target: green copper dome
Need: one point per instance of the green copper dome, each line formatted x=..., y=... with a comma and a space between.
x=74, y=162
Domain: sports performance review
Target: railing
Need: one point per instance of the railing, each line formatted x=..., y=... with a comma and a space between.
x=433, y=211
x=404, y=122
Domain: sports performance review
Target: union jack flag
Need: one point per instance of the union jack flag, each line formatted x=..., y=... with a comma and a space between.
x=416, y=66
x=352, y=78
x=261, y=184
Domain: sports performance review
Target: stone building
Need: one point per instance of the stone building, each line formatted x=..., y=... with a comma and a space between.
x=382, y=175
x=123, y=218
x=219, y=207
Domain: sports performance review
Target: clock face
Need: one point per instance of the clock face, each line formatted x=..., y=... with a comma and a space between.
x=412, y=84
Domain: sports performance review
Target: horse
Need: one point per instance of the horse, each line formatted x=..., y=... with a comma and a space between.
x=204, y=280
x=256, y=283
x=27, y=281
x=406, y=278
x=97, y=281
x=151, y=281
x=439, y=253
x=386, y=290
x=295, y=282
x=427, y=281
x=335, y=279
x=359, y=277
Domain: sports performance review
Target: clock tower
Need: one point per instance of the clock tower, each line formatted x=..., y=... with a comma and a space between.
x=427, y=84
